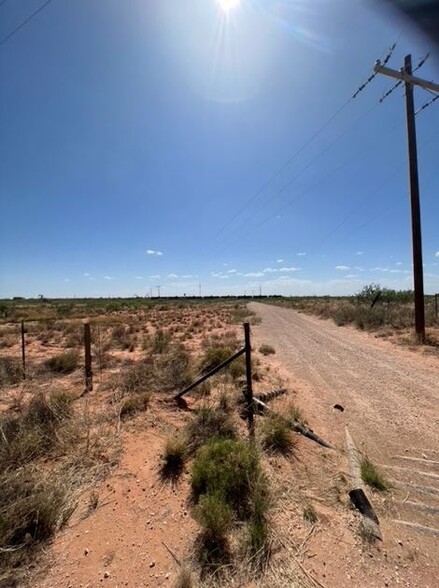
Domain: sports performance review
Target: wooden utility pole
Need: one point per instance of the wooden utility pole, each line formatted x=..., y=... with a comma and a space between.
x=405, y=75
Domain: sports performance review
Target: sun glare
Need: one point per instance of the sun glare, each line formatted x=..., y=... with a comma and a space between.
x=228, y=5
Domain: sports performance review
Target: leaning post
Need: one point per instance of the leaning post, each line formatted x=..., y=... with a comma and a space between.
x=87, y=350
x=248, y=375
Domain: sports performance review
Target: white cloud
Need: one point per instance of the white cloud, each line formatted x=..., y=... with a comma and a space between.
x=279, y=260
x=398, y=263
x=289, y=269
x=225, y=264
x=187, y=276
x=359, y=253
x=155, y=277
x=436, y=254
x=342, y=268
x=217, y=274
x=153, y=252
x=86, y=275
x=159, y=252
x=359, y=268
x=108, y=278
x=301, y=254
x=66, y=279
x=269, y=270
x=172, y=276
x=139, y=277
x=232, y=271
x=254, y=275
x=349, y=276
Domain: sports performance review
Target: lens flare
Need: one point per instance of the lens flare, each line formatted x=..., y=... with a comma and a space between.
x=228, y=5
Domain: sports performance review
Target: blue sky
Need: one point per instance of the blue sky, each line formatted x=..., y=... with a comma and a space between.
x=140, y=142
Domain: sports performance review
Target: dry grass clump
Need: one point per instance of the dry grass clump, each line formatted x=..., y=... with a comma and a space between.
x=63, y=363
x=276, y=435
x=267, y=350
x=134, y=404
x=174, y=455
x=372, y=476
x=34, y=432
x=11, y=371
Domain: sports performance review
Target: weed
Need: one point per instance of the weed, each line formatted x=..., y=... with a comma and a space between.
x=309, y=514
x=294, y=413
x=228, y=469
x=267, y=350
x=209, y=423
x=174, y=456
x=215, y=356
x=276, y=435
x=372, y=476
x=64, y=363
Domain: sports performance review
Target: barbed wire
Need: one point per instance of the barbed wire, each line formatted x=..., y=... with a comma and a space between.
x=427, y=104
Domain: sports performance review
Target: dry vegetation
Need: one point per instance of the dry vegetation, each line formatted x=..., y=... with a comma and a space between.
x=57, y=443
x=386, y=312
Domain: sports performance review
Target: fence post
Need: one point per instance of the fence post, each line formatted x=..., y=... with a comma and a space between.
x=435, y=305
x=23, y=350
x=87, y=349
x=248, y=375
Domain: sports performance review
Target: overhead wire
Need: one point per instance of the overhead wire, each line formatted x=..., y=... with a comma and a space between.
x=24, y=22
x=291, y=159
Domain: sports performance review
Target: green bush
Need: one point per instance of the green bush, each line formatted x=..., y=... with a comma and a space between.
x=226, y=468
x=64, y=363
x=214, y=515
x=276, y=435
x=161, y=341
x=215, y=356
x=209, y=423
x=174, y=456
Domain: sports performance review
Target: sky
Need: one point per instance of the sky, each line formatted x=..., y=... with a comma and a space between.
x=209, y=145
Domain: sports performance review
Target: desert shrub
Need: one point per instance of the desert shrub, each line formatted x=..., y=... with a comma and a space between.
x=215, y=356
x=294, y=413
x=267, y=350
x=11, y=371
x=63, y=363
x=133, y=404
x=344, y=314
x=174, y=455
x=276, y=435
x=137, y=378
x=32, y=508
x=372, y=476
x=226, y=468
x=258, y=529
x=173, y=369
x=209, y=423
x=161, y=341
x=214, y=515
x=34, y=432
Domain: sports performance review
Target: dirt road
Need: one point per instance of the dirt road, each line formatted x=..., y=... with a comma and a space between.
x=390, y=397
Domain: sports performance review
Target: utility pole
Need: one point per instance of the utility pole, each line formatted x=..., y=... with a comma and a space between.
x=405, y=75
x=199, y=289
x=158, y=291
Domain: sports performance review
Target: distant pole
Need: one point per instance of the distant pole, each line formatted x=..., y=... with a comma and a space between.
x=87, y=349
x=199, y=289
x=418, y=271
x=158, y=291
x=23, y=350
x=248, y=375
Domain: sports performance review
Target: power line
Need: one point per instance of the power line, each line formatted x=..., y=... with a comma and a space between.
x=427, y=104
x=24, y=22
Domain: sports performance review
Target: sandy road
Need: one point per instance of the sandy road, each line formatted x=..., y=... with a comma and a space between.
x=390, y=396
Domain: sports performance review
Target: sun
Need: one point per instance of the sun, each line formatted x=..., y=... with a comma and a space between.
x=228, y=5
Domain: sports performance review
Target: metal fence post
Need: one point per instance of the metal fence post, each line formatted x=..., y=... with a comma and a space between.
x=248, y=375
x=435, y=305
x=23, y=350
x=87, y=349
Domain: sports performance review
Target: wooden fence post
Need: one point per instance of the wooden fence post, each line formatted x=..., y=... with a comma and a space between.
x=435, y=305
x=23, y=350
x=87, y=349
x=248, y=375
